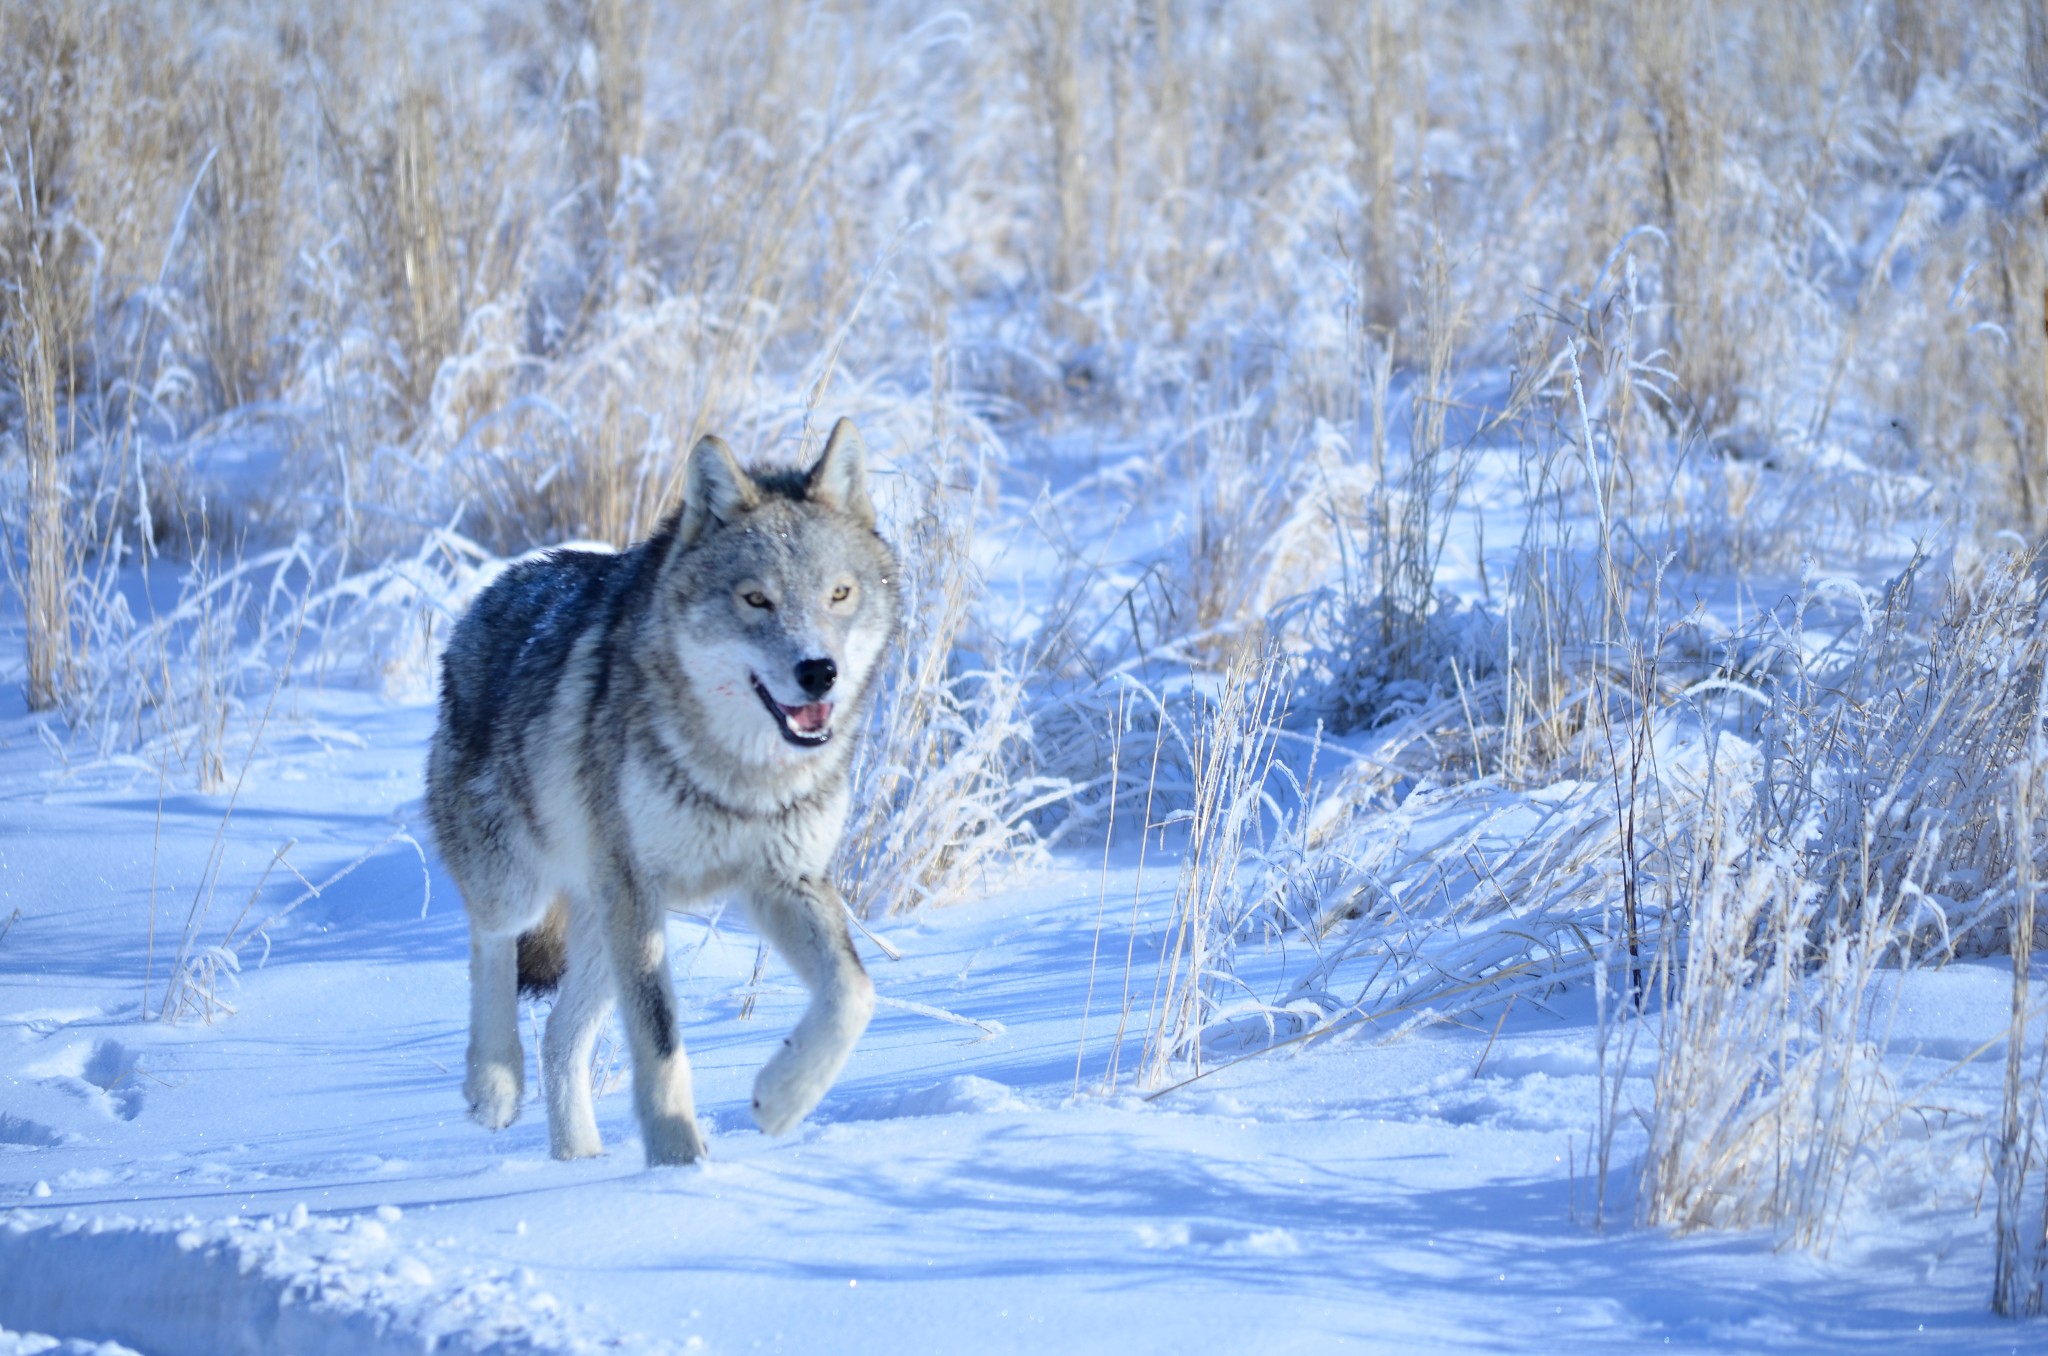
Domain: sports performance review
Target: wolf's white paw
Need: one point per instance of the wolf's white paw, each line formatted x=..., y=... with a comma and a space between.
x=579, y=1143
x=671, y=1140
x=786, y=1090
x=494, y=1091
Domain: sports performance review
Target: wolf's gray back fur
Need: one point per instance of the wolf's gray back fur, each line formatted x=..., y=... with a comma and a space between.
x=622, y=734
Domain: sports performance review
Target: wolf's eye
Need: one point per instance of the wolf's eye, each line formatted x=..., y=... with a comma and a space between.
x=756, y=598
x=842, y=593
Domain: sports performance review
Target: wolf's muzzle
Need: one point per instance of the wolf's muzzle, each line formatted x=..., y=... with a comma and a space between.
x=805, y=726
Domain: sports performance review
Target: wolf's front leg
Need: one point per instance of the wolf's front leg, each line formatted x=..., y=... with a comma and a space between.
x=496, y=1076
x=662, y=1098
x=807, y=924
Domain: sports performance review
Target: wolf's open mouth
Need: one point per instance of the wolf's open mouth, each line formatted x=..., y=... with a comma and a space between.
x=804, y=726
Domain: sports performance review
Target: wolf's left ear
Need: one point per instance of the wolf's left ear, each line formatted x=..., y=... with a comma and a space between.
x=715, y=489
x=840, y=477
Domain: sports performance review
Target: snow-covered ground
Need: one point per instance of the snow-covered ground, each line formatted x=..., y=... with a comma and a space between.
x=297, y=1174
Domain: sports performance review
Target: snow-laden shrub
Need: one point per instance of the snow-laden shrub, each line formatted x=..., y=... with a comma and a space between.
x=1892, y=750
x=944, y=798
x=1772, y=1100
x=1234, y=758
x=1887, y=828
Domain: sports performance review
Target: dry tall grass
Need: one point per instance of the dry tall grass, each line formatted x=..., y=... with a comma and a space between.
x=519, y=261
x=1234, y=757
x=2020, y=1267
x=242, y=205
x=34, y=350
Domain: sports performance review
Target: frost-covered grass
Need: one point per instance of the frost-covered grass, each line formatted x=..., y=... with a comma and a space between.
x=1494, y=502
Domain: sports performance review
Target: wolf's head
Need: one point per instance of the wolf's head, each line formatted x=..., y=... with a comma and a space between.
x=783, y=597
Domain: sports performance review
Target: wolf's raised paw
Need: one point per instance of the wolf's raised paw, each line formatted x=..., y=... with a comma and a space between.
x=785, y=1092
x=494, y=1093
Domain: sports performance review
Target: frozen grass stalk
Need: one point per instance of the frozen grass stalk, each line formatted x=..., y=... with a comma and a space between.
x=1233, y=757
x=2021, y=1265
x=31, y=342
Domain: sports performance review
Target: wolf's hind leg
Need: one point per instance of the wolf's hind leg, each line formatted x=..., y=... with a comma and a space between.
x=807, y=924
x=662, y=1098
x=581, y=1005
x=496, y=1078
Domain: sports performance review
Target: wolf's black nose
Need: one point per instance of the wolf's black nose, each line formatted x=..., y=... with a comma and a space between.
x=816, y=676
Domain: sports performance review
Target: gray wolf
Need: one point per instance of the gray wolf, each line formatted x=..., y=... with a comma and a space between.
x=624, y=734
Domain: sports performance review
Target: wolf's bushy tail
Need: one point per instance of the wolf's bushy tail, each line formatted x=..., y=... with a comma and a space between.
x=544, y=950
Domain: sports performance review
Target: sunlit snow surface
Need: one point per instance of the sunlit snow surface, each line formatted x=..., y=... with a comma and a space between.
x=298, y=1175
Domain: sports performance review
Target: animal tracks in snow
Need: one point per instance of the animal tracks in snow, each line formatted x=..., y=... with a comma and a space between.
x=24, y=1132
x=103, y=1073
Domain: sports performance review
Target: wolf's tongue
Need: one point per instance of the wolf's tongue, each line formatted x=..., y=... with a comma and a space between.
x=810, y=719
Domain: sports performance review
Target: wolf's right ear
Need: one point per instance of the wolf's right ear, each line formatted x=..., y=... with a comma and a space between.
x=840, y=477
x=715, y=489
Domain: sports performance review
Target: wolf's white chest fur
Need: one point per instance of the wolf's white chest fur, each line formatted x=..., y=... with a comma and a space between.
x=699, y=848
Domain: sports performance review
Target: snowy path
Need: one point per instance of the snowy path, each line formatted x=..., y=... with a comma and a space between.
x=299, y=1176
